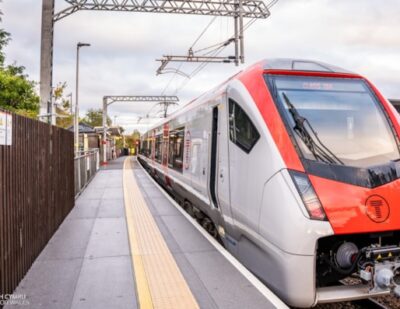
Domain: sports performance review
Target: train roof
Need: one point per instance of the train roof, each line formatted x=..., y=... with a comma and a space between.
x=288, y=64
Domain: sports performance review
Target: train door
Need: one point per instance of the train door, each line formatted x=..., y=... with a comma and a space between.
x=243, y=136
x=222, y=159
x=165, y=147
x=196, y=164
x=213, y=157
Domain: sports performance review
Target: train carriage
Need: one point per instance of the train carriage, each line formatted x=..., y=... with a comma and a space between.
x=294, y=165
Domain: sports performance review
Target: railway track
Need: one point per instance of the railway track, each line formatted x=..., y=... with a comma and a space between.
x=356, y=304
x=370, y=304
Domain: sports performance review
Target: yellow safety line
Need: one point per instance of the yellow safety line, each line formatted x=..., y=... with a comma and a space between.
x=159, y=282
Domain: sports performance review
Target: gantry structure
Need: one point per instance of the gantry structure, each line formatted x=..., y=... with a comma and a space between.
x=162, y=100
x=238, y=9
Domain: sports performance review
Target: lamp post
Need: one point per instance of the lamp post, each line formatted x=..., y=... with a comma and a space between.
x=76, y=119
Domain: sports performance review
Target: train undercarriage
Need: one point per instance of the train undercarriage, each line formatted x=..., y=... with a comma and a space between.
x=360, y=264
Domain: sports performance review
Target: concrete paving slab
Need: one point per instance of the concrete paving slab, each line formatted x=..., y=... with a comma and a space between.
x=111, y=209
x=114, y=178
x=112, y=193
x=49, y=284
x=70, y=240
x=100, y=180
x=117, y=183
x=108, y=238
x=152, y=209
x=163, y=206
x=187, y=237
x=197, y=287
x=227, y=286
x=114, y=164
x=92, y=193
x=112, y=174
x=84, y=209
x=169, y=239
x=152, y=192
x=105, y=283
x=98, y=184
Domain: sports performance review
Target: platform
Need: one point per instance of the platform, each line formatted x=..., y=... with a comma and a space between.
x=125, y=245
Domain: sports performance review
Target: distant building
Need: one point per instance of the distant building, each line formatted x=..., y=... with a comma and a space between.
x=113, y=134
x=88, y=137
x=396, y=104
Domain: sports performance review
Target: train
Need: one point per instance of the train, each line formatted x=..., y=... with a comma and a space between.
x=294, y=166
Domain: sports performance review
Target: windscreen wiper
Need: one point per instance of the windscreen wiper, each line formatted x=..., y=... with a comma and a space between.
x=314, y=144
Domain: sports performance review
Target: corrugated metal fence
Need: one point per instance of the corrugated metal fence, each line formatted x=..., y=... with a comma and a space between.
x=36, y=194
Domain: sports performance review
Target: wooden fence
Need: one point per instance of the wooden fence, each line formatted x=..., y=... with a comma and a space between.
x=36, y=194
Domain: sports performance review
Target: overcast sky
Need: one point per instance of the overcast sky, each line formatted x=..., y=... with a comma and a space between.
x=359, y=35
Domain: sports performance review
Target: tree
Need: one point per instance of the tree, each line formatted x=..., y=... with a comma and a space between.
x=17, y=92
x=94, y=118
x=64, y=118
x=130, y=140
x=4, y=39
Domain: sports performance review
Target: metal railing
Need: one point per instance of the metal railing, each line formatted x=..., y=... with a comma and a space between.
x=87, y=163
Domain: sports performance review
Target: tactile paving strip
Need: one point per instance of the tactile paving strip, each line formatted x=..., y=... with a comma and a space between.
x=159, y=282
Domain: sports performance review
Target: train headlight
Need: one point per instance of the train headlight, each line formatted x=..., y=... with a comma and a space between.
x=308, y=195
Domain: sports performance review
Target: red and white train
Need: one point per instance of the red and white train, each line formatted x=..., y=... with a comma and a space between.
x=294, y=165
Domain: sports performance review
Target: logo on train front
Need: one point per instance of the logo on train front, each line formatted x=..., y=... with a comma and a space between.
x=377, y=209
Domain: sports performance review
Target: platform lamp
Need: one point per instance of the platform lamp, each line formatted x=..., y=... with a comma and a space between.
x=76, y=119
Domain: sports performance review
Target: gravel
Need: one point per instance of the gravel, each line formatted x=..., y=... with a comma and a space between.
x=389, y=301
x=343, y=305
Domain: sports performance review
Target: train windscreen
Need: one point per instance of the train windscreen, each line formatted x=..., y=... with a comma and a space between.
x=336, y=121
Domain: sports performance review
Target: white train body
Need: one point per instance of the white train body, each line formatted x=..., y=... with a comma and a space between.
x=245, y=188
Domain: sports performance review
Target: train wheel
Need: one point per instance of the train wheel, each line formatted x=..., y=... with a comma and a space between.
x=209, y=226
x=188, y=208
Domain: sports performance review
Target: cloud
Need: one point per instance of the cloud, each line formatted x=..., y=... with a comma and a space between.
x=359, y=35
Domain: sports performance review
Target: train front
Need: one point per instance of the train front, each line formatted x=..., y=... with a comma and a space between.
x=346, y=137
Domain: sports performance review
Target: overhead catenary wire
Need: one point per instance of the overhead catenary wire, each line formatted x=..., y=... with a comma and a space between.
x=214, y=52
x=216, y=49
x=214, y=45
x=193, y=44
x=204, y=31
x=197, y=70
x=272, y=3
x=175, y=74
x=191, y=47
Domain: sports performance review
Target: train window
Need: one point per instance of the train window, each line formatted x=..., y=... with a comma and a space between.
x=242, y=131
x=342, y=115
x=143, y=146
x=147, y=148
x=165, y=150
x=158, y=148
x=151, y=147
x=176, y=145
